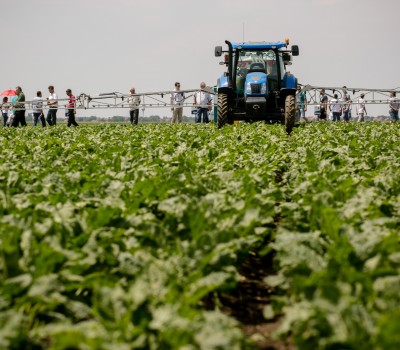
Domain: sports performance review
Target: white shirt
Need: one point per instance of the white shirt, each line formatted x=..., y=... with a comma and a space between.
x=37, y=104
x=202, y=99
x=335, y=105
x=53, y=97
x=178, y=98
x=394, y=102
x=134, y=102
x=361, y=106
x=4, y=108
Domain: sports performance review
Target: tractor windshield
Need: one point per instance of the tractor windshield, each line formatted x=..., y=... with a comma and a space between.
x=257, y=61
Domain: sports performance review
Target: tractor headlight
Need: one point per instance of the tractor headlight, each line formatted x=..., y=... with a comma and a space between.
x=248, y=88
x=263, y=88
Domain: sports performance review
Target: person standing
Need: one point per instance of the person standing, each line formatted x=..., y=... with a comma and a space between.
x=11, y=109
x=394, y=105
x=19, y=115
x=37, y=105
x=52, y=102
x=346, y=104
x=71, y=109
x=134, y=103
x=336, y=108
x=302, y=103
x=350, y=108
x=323, y=99
x=202, y=100
x=361, y=110
x=177, y=99
x=4, y=110
x=345, y=93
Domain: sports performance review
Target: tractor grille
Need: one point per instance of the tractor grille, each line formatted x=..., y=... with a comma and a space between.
x=255, y=88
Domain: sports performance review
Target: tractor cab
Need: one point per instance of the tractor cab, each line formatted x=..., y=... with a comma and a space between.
x=256, y=84
x=264, y=62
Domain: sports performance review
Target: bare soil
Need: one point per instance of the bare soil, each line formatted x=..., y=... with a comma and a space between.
x=246, y=303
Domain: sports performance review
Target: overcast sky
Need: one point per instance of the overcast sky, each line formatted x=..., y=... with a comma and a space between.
x=96, y=46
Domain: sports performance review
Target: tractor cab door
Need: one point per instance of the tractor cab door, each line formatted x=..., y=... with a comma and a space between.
x=242, y=69
x=274, y=70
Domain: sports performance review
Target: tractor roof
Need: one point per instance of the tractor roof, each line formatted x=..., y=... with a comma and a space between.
x=252, y=45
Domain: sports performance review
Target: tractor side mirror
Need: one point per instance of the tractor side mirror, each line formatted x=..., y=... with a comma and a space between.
x=218, y=51
x=295, y=50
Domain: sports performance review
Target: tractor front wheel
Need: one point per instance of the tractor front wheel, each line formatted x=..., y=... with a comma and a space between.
x=222, y=110
x=289, y=113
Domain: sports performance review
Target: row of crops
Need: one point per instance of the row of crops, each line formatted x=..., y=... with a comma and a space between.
x=113, y=237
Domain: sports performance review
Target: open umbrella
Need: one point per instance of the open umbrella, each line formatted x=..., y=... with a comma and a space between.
x=8, y=93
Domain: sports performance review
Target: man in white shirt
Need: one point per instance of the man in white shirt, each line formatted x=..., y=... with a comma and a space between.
x=202, y=100
x=361, y=110
x=394, y=105
x=177, y=99
x=336, y=108
x=52, y=102
x=37, y=105
x=134, y=103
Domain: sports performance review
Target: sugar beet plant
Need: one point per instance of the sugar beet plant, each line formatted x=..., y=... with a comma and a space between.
x=337, y=245
x=112, y=237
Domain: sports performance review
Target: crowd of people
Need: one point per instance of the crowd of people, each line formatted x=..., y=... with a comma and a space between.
x=202, y=102
x=341, y=109
x=13, y=111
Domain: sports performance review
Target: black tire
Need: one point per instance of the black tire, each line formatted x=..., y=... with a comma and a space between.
x=222, y=110
x=290, y=112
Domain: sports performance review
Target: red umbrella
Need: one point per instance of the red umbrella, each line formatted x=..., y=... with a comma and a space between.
x=8, y=93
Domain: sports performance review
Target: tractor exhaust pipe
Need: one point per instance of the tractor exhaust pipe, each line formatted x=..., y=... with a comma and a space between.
x=230, y=66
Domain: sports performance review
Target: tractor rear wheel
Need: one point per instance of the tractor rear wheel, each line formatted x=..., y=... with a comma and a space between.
x=222, y=110
x=289, y=113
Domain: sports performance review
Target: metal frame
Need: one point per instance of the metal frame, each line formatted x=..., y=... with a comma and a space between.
x=118, y=100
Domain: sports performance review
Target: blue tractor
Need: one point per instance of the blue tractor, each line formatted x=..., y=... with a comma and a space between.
x=256, y=85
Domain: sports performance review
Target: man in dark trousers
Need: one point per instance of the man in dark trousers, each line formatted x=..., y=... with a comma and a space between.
x=71, y=109
x=323, y=104
x=19, y=115
x=134, y=103
x=202, y=100
x=52, y=102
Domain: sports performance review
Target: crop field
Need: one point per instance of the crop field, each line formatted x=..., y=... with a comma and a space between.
x=166, y=236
